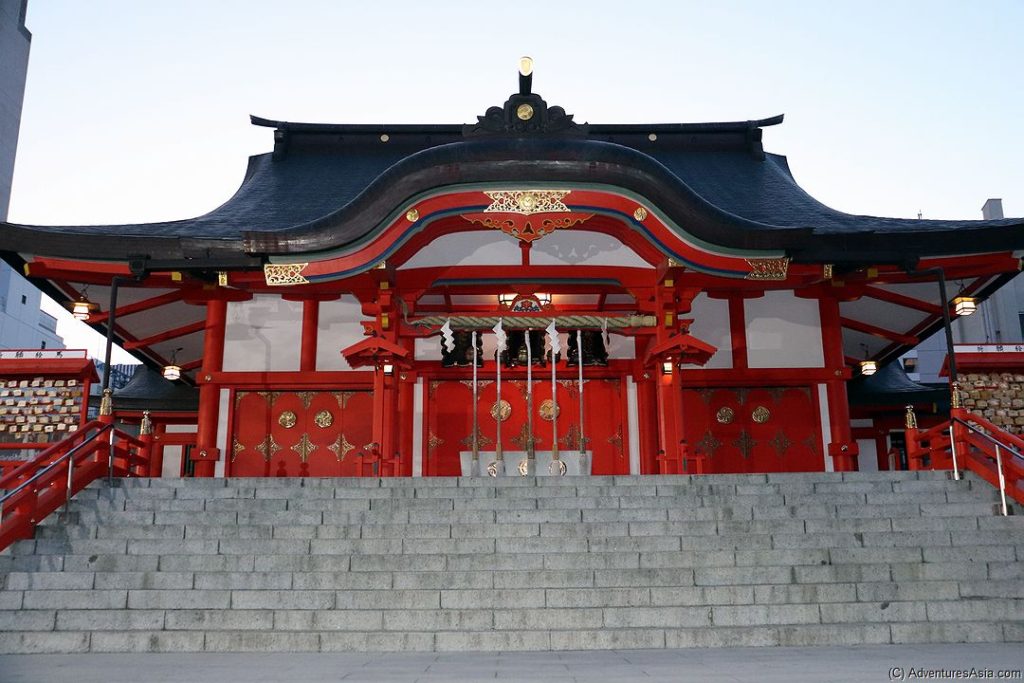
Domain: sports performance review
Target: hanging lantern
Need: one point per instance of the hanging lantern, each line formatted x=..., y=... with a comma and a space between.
x=389, y=369
x=666, y=367
x=965, y=305
x=82, y=308
x=868, y=367
x=172, y=371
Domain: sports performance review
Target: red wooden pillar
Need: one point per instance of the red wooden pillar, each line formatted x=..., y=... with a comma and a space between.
x=206, y=452
x=647, y=423
x=841, y=447
x=406, y=391
x=310, y=325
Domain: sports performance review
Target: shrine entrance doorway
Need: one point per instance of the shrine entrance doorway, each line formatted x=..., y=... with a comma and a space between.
x=754, y=429
x=300, y=433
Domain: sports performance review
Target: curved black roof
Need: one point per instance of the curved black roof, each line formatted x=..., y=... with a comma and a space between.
x=326, y=185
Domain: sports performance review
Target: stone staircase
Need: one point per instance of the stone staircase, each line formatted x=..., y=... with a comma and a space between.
x=517, y=564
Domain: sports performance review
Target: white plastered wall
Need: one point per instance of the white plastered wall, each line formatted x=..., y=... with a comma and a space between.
x=783, y=331
x=222, y=431
x=711, y=325
x=172, y=454
x=339, y=327
x=262, y=335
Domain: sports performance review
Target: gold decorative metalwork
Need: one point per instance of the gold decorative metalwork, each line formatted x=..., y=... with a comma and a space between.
x=768, y=268
x=706, y=395
x=340, y=447
x=524, y=467
x=236, y=448
x=282, y=274
x=433, y=441
x=640, y=214
x=492, y=469
x=324, y=419
x=741, y=395
x=526, y=230
x=549, y=410
x=745, y=444
x=616, y=440
x=287, y=419
x=955, y=397
x=571, y=440
x=342, y=397
x=412, y=215
x=826, y=271
x=304, y=447
x=557, y=468
x=709, y=444
x=482, y=441
x=270, y=396
x=268, y=448
x=761, y=415
x=780, y=443
x=527, y=202
x=910, y=419
x=306, y=397
x=524, y=112
x=811, y=443
x=524, y=439
x=725, y=415
x=432, y=387
x=501, y=410
x=146, y=427
x=776, y=393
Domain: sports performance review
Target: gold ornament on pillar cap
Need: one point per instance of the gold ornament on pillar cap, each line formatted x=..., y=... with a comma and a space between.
x=107, y=402
x=955, y=399
x=911, y=418
x=146, y=427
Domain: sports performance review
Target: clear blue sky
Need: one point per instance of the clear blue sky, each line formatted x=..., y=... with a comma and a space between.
x=137, y=111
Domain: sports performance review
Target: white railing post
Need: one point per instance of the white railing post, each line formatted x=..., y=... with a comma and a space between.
x=1002, y=480
x=952, y=449
x=67, y=497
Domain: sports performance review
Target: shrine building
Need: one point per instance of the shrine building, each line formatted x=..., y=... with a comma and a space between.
x=341, y=314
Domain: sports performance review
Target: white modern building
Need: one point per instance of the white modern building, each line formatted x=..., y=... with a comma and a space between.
x=22, y=323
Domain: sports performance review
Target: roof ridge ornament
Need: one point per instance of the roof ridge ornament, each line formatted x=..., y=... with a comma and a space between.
x=525, y=113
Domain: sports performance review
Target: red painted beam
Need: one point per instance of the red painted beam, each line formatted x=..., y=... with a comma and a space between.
x=902, y=300
x=138, y=306
x=880, y=332
x=192, y=365
x=169, y=334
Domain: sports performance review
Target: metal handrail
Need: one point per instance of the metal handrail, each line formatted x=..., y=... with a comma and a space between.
x=70, y=454
x=999, y=446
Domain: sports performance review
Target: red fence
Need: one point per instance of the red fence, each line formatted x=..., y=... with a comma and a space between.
x=44, y=483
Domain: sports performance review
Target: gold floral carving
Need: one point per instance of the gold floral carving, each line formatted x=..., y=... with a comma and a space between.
x=571, y=440
x=725, y=415
x=616, y=440
x=549, y=410
x=482, y=441
x=236, y=448
x=306, y=397
x=745, y=444
x=529, y=229
x=640, y=214
x=524, y=439
x=433, y=441
x=283, y=274
x=780, y=443
x=761, y=415
x=501, y=410
x=709, y=444
x=324, y=419
x=287, y=419
x=304, y=447
x=340, y=447
x=768, y=268
x=268, y=448
x=343, y=397
x=527, y=202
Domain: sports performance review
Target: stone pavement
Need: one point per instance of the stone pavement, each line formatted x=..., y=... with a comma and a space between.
x=763, y=665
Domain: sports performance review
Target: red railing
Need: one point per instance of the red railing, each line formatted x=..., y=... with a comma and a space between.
x=40, y=486
x=970, y=442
